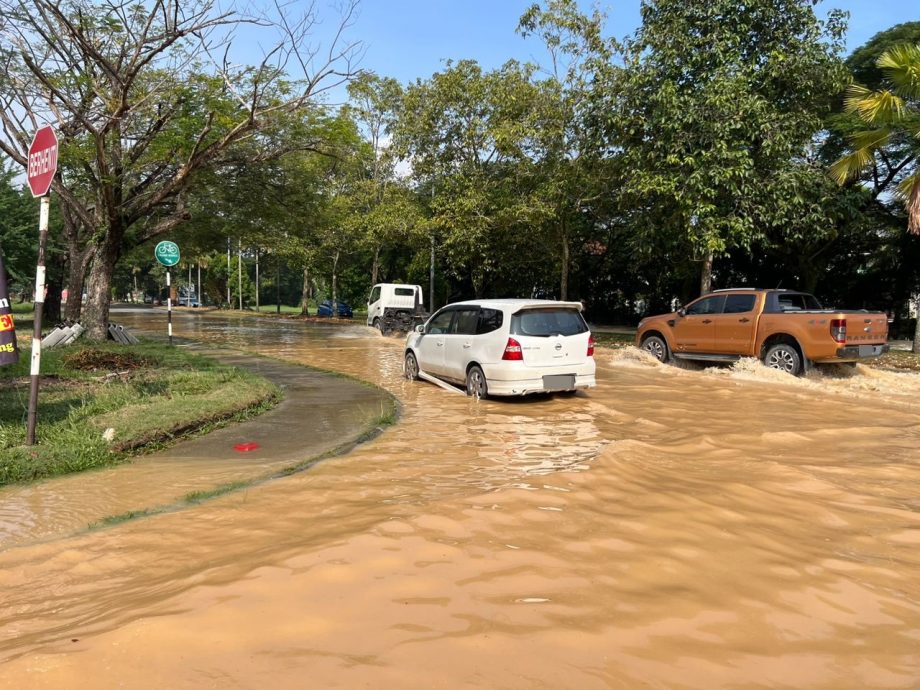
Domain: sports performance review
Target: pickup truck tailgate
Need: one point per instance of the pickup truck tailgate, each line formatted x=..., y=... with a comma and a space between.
x=866, y=329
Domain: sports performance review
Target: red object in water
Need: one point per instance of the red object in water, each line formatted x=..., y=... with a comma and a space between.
x=245, y=447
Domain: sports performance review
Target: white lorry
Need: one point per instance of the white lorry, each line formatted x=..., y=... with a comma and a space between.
x=394, y=307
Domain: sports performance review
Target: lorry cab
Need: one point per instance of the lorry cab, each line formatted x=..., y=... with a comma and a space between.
x=393, y=296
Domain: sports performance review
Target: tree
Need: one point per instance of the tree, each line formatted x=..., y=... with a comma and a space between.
x=892, y=116
x=469, y=137
x=18, y=228
x=145, y=97
x=375, y=106
x=715, y=100
x=568, y=164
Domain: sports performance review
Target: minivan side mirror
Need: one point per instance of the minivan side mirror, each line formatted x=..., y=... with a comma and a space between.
x=420, y=328
x=681, y=312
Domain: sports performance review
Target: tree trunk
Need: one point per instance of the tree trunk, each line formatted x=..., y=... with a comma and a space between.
x=375, y=267
x=95, y=316
x=76, y=274
x=52, y=309
x=78, y=258
x=564, y=277
x=916, y=346
x=305, y=293
x=335, y=276
x=706, y=277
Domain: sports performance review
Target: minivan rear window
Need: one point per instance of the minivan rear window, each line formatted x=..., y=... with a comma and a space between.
x=543, y=323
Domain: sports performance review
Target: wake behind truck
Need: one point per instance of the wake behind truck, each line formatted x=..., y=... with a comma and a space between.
x=785, y=329
x=393, y=307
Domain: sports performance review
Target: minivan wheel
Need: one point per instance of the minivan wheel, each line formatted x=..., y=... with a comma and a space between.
x=785, y=358
x=411, y=366
x=656, y=347
x=476, y=386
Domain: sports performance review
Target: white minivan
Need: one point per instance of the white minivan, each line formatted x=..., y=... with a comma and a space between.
x=505, y=347
x=392, y=296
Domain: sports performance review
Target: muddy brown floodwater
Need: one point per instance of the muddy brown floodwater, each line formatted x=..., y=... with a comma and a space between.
x=673, y=528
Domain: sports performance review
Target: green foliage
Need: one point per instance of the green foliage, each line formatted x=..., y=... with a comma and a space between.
x=893, y=117
x=862, y=63
x=18, y=227
x=715, y=102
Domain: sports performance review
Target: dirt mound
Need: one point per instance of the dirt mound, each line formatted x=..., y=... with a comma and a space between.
x=104, y=360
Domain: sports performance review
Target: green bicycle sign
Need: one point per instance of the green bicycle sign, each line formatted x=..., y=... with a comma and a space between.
x=167, y=253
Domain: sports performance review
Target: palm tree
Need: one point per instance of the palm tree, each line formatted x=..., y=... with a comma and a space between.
x=892, y=117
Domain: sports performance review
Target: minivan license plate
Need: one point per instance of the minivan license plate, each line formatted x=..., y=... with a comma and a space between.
x=559, y=382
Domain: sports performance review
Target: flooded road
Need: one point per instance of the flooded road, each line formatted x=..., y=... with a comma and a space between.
x=672, y=528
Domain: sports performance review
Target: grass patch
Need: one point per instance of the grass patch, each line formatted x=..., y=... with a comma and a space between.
x=123, y=517
x=199, y=496
x=98, y=404
x=22, y=308
x=613, y=340
x=273, y=309
x=899, y=360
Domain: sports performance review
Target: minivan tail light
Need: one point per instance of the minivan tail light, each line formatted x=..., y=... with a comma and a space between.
x=590, y=346
x=839, y=330
x=513, y=352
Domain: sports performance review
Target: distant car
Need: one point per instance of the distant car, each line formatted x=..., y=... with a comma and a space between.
x=343, y=311
x=505, y=347
x=184, y=301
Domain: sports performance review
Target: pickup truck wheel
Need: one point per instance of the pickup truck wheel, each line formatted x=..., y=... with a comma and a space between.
x=656, y=347
x=476, y=386
x=411, y=367
x=785, y=358
x=376, y=323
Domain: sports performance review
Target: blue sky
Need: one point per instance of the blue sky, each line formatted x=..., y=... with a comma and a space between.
x=409, y=39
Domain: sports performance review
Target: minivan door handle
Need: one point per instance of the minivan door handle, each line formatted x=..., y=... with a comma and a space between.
x=707, y=321
x=744, y=320
x=467, y=345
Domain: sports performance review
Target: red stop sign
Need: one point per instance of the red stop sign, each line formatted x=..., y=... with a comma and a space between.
x=42, y=160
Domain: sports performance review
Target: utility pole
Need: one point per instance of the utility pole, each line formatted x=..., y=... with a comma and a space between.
x=431, y=265
x=229, y=305
x=431, y=279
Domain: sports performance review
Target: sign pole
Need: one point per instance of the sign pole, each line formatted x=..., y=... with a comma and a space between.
x=37, y=326
x=167, y=253
x=168, y=307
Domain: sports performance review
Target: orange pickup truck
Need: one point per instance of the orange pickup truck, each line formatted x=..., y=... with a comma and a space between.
x=787, y=330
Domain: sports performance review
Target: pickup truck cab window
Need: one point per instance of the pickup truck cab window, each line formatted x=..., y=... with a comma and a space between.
x=778, y=302
x=739, y=304
x=708, y=305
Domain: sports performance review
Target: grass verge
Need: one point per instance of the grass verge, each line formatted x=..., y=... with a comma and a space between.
x=100, y=404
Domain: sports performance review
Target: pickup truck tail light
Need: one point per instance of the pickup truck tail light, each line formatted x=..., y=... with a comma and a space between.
x=590, y=346
x=513, y=352
x=839, y=330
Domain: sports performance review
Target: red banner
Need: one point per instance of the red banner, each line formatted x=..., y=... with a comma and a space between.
x=9, y=353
